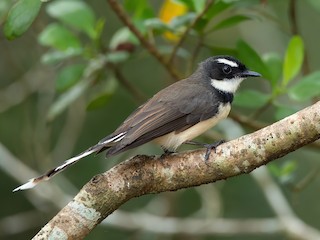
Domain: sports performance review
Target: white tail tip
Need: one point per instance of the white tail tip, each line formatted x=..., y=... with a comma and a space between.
x=30, y=184
x=34, y=181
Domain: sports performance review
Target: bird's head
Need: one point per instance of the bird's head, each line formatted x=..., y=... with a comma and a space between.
x=225, y=73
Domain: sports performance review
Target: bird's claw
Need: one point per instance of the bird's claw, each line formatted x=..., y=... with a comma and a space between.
x=211, y=146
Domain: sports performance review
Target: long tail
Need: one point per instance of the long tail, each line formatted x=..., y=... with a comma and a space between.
x=34, y=181
x=102, y=145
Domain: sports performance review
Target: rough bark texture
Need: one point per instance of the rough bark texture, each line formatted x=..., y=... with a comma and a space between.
x=152, y=174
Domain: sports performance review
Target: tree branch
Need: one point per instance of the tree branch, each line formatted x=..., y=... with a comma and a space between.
x=256, y=125
x=292, y=225
x=195, y=226
x=148, y=174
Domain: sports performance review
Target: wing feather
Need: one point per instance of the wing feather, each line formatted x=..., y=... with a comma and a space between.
x=169, y=110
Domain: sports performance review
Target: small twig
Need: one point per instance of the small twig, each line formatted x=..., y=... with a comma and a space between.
x=194, y=55
x=293, y=17
x=187, y=30
x=151, y=48
x=193, y=226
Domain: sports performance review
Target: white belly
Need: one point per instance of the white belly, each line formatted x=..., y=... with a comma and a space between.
x=173, y=140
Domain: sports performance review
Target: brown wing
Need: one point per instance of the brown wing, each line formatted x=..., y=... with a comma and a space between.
x=177, y=107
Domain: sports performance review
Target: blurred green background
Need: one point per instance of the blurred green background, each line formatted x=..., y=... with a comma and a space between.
x=71, y=72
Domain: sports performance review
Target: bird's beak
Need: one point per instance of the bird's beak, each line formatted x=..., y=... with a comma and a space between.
x=248, y=73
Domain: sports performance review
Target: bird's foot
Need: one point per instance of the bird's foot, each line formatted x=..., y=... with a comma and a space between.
x=209, y=147
x=166, y=152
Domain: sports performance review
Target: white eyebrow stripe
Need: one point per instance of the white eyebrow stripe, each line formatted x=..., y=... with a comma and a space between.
x=228, y=62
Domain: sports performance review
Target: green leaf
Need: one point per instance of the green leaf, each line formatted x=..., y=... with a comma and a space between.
x=307, y=88
x=283, y=111
x=213, y=11
x=156, y=24
x=188, y=3
x=20, y=17
x=216, y=9
x=245, y=3
x=293, y=59
x=139, y=8
x=182, y=20
x=99, y=27
x=252, y=59
x=53, y=57
x=284, y=170
x=58, y=37
x=103, y=97
x=201, y=24
x=99, y=101
x=250, y=99
x=199, y=5
x=4, y=8
x=315, y=4
x=229, y=22
x=123, y=35
x=89, y=76
x=274, y=63
x=274, y=168
x=117, y=57
x=288, y=168
x=75, y=13
x=167, y=50
x=69, y=76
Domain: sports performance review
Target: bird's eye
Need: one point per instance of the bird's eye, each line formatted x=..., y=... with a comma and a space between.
x=226, y=69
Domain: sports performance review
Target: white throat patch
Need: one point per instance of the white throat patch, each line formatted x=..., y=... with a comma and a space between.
x=228, y=62
x=227, y=85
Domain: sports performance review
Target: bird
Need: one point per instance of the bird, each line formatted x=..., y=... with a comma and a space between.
x=173, y=116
